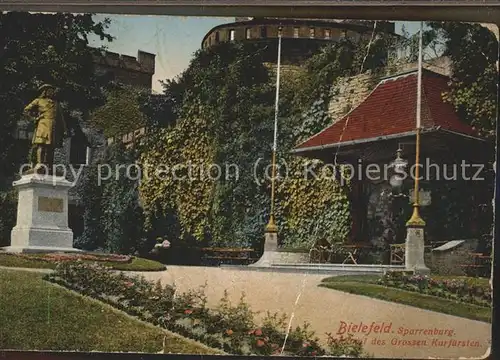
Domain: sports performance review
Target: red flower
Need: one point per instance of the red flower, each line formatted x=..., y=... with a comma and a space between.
x=314, y=353
x=229, y=332
x=129, y=284
x=258, y=332
x=305, y=345
x=188, y=311
x=260, y=343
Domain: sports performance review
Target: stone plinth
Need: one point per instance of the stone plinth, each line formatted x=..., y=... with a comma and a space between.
x=270, y=250
x=42, y=215
x=414, y=250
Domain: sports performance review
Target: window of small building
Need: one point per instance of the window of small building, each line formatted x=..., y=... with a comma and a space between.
x=295, y=32
x=217, y=37
x=327, y=34
x=248, y=33
x=311, y=32
x=210, y=41
x=263, y=32
x=231, y=35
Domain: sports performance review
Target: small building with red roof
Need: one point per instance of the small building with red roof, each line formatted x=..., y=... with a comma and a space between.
x=372, y=132
x=388, y=114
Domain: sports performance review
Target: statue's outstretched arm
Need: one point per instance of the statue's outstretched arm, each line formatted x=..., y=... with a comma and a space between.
x=31, y=107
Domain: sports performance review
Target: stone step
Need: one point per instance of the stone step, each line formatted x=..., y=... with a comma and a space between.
x=293, y=270
x=326, y=269
x=352, y=268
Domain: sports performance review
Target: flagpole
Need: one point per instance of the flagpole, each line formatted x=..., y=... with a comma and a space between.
x=271, y=225
x=415, y=218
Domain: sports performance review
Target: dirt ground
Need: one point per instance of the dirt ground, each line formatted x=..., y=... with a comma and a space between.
x=299, y=296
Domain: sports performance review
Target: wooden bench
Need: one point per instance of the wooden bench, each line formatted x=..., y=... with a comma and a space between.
x=227, y=255
x=353, y=251
x=479, y=266
x=397, y=255
x=324, y=252
x=321, y=252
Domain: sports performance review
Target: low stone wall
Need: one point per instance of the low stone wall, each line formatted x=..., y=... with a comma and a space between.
x=291, y=258
x=449, y=261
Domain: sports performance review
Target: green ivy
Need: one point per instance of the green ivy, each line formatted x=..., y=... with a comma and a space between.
x=113, y=217
x=224, y=109
x=90, y=196
x=473, y=50
x=8, y=204
x=121, y=113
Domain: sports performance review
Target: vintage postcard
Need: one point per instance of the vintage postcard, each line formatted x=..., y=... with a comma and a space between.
x=246, y=186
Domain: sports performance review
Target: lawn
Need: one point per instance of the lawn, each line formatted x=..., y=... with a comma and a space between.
x=37, y=315
x=367, y=285
x=137, y=264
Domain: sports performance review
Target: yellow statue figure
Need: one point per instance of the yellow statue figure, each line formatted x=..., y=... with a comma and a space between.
x=50, y=127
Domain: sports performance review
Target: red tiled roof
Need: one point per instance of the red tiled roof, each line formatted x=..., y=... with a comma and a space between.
x=390, y=109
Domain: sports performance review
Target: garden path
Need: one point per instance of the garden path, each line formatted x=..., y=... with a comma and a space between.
x=325, y=309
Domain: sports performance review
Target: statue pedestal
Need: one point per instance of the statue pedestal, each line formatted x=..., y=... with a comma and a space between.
x=42, y=215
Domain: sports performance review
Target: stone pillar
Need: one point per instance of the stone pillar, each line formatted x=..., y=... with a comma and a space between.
x=42, y=215
x=414, y=250
x=270, y=249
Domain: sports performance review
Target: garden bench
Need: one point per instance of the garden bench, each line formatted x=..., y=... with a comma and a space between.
x=321, y=252
x=480, y=264
x=227, y=257
x=324, y=251
x=353, y=251
x=397, y=254
x=221, y=255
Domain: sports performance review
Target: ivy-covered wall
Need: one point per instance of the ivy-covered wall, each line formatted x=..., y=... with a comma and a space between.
x=225, y=116
x=219, y=115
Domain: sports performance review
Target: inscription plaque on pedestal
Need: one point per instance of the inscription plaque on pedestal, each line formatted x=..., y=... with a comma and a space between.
x=42, y=215
x=50, y=204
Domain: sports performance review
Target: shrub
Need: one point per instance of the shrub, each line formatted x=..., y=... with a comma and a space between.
x=231, y=328
x=347, y=346
x=113, y=218
x=463, y=290
x=8, y=204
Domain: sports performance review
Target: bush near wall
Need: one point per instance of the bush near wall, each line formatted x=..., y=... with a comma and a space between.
x=8, y=215
x=113, y=218
x=229, y=327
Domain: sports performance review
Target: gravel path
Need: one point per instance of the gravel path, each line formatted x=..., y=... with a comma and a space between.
x=326, y=309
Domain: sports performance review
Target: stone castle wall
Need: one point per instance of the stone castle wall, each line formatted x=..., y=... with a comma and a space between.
x=353, y=90
x=136, y=71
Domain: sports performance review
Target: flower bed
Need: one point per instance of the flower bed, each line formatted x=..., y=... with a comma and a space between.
x=462, y=290
x=228, y=327
x=57, y=257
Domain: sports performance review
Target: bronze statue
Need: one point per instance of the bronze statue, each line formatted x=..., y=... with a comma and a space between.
x=50, y=127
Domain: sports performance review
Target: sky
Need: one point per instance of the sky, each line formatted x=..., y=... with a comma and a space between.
x=173, y=39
